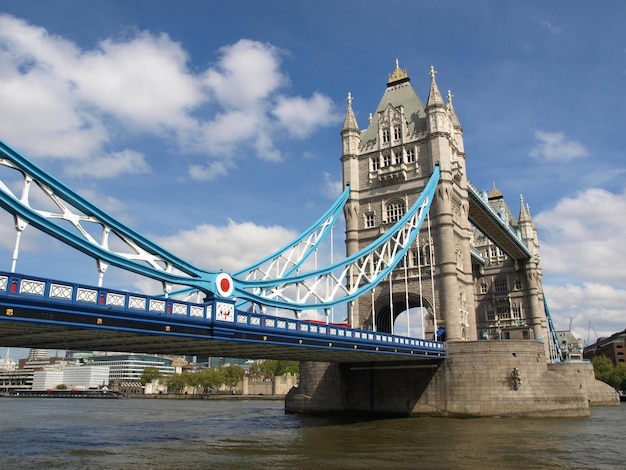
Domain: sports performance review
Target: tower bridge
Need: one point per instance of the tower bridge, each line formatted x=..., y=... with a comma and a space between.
x=419, y=237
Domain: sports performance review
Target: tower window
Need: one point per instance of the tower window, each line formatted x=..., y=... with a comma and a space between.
x=397, y=132
x=501, y=285
x=395, y=211
x=410, y=155
x=370, y=220
x=375, y=163
x=484, y=288
x=387, y=160
x=385, y=135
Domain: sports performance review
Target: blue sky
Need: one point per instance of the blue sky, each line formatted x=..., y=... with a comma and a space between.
x=213, y=127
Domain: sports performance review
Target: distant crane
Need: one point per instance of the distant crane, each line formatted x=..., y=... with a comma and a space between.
x=594, y=332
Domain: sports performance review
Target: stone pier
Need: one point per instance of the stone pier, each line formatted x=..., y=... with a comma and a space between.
x=477, y=378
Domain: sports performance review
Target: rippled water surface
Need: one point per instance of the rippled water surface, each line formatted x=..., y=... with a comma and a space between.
x=40, y=433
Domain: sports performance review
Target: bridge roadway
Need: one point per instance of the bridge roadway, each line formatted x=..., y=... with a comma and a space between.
x=43, y=313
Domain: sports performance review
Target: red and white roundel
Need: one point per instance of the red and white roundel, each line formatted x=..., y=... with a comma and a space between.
x=224, y=285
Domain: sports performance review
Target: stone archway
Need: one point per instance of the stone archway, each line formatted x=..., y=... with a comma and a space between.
x=406, y=322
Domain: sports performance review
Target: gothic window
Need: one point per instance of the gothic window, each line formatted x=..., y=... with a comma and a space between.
x=410, y=155
x=387, y=160
x=385, y=135
x=502, y=310
x=518, y=283
x=501, y=285
x=397, y=132
x=370, y=220
x=491, y=316
x=397, y=157
x=484, y=288
x=517, y=311
x=395, y=211
x=375, y=163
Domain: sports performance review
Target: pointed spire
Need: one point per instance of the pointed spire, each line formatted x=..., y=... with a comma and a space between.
x=350, y=121
x=434, y=96
x=524, y=211
x=453, y=117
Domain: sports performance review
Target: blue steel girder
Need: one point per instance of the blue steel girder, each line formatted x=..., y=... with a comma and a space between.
x=288, y=259
x=346, y=280
x=143, y=257
x=324, y=288
x=484, y=216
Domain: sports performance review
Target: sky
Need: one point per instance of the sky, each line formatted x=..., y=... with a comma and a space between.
x=212, y=128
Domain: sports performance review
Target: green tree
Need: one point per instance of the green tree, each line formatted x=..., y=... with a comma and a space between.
x=61, y=387
x=274, y=368
x=605, y=371
x=177, y=382
x=149, y=374
x=209, y=379
x=232, y=375
x=193, y=380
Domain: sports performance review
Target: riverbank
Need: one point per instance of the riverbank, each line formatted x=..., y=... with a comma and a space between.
x=207, y=397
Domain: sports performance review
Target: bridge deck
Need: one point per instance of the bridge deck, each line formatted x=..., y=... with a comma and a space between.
x=54, y=315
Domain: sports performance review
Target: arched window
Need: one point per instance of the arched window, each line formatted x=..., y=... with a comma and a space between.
x=395, y=211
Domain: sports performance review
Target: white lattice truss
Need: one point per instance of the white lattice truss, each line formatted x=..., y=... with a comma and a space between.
x=343, y=281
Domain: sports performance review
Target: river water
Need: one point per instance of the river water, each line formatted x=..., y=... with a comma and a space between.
x=57, y=433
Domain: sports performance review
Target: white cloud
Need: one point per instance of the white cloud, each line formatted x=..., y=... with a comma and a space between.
x=62, y=101
x=582, y=236
x=247, y=73
x=210, y=171
x=583, y=254
x=331, y=188
x=108, y=166
x=301, y=116
x=553, y=146
x=598, y=304
x=229, y=248
x=143, y=81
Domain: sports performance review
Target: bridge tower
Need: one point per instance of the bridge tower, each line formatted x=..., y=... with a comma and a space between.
x=386, y=166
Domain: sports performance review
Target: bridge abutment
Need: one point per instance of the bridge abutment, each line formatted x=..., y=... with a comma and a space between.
x=477, y=378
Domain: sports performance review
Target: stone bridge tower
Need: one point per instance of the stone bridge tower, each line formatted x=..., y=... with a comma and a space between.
x=386, y=166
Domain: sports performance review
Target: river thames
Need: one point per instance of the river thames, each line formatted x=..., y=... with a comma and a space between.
x=57, y=433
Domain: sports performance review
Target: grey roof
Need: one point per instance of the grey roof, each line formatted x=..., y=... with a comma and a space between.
x=398, y=94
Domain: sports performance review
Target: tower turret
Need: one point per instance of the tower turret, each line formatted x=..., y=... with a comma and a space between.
x=350, y=140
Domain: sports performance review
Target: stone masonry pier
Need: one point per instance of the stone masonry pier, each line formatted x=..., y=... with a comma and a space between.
x=477, y=378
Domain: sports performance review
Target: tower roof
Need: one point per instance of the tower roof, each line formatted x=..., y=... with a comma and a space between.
x=399, y=92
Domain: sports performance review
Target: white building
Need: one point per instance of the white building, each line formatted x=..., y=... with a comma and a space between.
x=74, y=377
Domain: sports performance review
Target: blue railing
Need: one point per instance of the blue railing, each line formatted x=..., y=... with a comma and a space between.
x=217, y=313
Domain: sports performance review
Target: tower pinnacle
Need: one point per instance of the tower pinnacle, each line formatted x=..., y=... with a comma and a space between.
x=434, y=96
x=398, y=76
x=350, y=121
